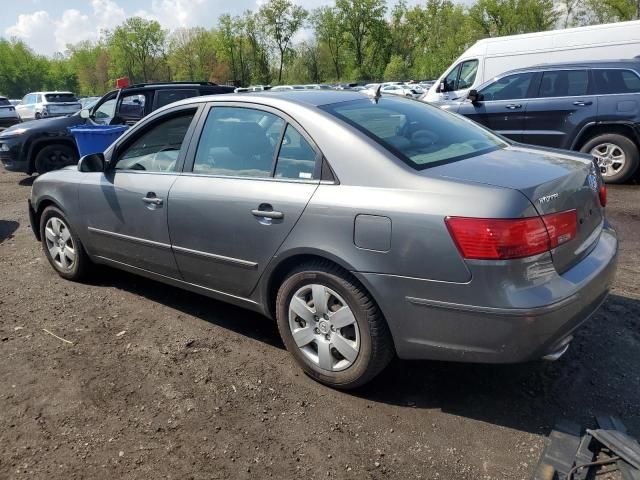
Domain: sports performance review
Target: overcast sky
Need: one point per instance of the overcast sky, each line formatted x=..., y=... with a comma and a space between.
x=48, y=26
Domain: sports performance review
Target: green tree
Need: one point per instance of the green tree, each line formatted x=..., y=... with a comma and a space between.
x=329, y=26
x=138, y=48
x=282, y=19
x=90, y=62
x=602, y=11
x=511, y=17
x=396, y=69
x=192, y=54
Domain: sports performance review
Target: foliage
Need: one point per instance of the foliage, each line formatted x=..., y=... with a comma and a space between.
x=349, y=40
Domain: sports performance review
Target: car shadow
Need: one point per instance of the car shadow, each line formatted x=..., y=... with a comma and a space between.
x=598, y=375
x=236, y=319
x=7, y=227
x=27, y=181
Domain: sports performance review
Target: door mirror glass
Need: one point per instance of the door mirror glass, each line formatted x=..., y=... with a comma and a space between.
x=93, y=162
x=442, y=87
x=84, y=113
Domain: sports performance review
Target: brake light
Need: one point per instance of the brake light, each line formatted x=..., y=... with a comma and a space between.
x=603, y=195
x=502, y=239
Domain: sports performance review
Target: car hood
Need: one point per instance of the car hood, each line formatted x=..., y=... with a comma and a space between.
x=46, y=124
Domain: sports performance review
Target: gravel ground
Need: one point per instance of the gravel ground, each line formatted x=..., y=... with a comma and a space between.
x=161, y=383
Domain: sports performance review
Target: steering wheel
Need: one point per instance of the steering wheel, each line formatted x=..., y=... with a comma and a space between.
x=423, y=138
x=158, y=156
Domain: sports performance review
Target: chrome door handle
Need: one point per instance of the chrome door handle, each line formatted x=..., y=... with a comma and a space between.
x=580, y=103
x=267, y=214
x=513, y=106
x=152, y=200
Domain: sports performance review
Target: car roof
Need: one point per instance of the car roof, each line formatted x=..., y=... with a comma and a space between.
x=628, y=63
x=309, y=98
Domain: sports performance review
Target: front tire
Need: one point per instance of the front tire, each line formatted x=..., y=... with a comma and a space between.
x=616, y=155
x=332, y=326
x=55, y=157
x=61, y=245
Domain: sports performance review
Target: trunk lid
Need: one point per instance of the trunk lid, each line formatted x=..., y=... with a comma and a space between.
x=553, y=180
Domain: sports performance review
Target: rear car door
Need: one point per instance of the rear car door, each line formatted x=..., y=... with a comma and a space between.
x=125, y=207
x=564, y=104
x=246, y=182
x=502, y=105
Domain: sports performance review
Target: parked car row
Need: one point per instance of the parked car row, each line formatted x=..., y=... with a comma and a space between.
x=45, y=145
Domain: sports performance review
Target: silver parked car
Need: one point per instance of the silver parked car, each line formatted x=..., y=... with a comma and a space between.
x=48, y=104
x=367, y=227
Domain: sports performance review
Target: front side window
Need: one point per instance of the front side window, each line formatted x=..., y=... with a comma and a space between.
x=564, y=83
x=296, y=159
x=468, y=72
x=616, y=81
x=451, y=79
x=104, y=113
x=158, y=148
x=511, y=87
x=239, y=142
x=419, y=134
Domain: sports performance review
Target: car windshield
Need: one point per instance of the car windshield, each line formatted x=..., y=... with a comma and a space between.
x=60, y=97
x=419, y=134
x=4, y=102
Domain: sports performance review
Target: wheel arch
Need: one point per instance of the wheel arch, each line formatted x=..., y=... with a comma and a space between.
x=594, y=129
x=38, y=209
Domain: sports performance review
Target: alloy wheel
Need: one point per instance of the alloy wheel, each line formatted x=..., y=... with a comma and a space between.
x=610, y=157
x=324, y=328
x=60, y=243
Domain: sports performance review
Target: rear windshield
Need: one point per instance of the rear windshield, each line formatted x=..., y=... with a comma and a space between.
x=60, y=97
x=4, y=102
x=421, y=135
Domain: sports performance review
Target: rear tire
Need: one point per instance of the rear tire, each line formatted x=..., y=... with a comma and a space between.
x=616, y=154
x=55, y=157
x=359, y=332
x=61, y=245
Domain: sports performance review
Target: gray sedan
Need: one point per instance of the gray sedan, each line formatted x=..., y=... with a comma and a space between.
x=366, y=227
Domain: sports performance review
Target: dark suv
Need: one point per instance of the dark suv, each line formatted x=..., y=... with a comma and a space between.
x=592, y=107
x=44, y=145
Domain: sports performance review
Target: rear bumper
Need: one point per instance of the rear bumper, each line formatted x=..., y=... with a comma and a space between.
x=536, y=323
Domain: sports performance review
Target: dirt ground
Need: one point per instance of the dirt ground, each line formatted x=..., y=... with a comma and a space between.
x=161, y=383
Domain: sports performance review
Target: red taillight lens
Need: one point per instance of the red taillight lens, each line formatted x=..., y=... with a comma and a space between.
x=562, y=227
x=603, y=196
x=498, y=239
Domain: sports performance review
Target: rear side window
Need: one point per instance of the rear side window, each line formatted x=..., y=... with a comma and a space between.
x=132, y=106
x=165, y=97
x=616, y=81
x=60, y=97
x=238, y=142
x=296, y=158
x=564, y=83
x=511, y=87
x=4, y=102
x=419, y=134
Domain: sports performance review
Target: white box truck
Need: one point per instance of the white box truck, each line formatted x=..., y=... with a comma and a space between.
x=492, y=56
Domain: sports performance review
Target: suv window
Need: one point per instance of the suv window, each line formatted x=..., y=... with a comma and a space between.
x=467, y=74
x=158, y=148
x=104, y=113
x=132, y=106
x=238, y=142
x=60, y=97
x=4, y=102
x=296, y=159
x=511, y=87
x=165, y=97
x=564, y=83
x=616, y=81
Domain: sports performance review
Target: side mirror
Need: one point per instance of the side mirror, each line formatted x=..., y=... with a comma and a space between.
x=94, y=162
x=474, y=96
x=85, y=113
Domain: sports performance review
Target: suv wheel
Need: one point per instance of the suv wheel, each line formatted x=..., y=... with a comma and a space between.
x=332, y=327
x=616, y=155
x=55, y=157
x=61, y=245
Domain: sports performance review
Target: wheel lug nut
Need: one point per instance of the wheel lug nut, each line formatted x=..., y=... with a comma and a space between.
x=327, y=336
x=316, y=331
x=333, y=329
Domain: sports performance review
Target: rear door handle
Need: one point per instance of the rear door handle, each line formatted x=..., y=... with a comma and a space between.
x=513, y=106
x=267, y=214
x=580, y=103
x=151, y=199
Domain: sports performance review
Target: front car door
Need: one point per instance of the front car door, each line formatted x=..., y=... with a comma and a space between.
x=562, y=106
x=125, y=207
x=502, y=104
x=246, y=182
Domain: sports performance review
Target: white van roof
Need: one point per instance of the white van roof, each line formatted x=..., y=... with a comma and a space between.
x=608, y=33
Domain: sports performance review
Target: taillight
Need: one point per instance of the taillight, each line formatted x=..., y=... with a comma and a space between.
x=603, y=195
x=502, y=239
